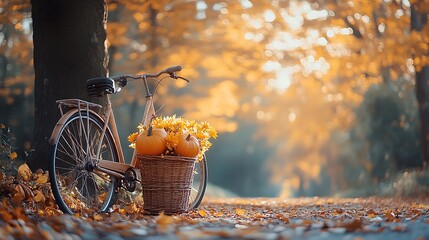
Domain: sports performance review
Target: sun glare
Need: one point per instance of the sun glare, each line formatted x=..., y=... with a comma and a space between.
x=283, y=76
x=287, y=41
x=284, y=41
x=282, y=81
x=269, y=16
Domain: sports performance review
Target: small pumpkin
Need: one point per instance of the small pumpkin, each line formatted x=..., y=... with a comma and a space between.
x=151, y=141
x=188, y=146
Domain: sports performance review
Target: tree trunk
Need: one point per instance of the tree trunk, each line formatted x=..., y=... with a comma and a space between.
x=3, y=70
x=154, y=41
x=418, y=20
x=69, y=48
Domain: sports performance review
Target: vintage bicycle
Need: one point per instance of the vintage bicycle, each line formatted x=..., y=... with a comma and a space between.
x=87, y=165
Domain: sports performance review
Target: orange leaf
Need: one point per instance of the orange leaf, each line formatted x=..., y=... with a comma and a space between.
x=28, y=193
x=240, y=212
x=164, y=222
x=202, y=213
x=39, y=196
x=164, y=219
x=13, y=155
x=353, y=225
x=18, y=194
x=218, y=214
x=42, y=178
x=97, y=217
x=283, y=218
x=24, y=172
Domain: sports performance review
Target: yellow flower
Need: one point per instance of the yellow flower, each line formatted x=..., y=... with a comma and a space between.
x=213, y=133
x=141, y=128
x=200, y=135
x=174, y=126
x=172, y=140
x=132, y=137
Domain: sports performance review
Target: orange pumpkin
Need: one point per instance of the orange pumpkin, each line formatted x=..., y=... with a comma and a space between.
x=188, y=146
x=151, y=141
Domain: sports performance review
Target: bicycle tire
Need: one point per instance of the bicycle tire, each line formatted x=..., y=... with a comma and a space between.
x=74, y=183
x=201, y=176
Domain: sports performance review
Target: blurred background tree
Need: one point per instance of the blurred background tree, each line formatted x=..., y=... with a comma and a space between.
x=16, y=70
x=310, y=97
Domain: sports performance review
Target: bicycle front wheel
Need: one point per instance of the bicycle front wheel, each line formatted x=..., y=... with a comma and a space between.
x=199, y=183
x=77, y=186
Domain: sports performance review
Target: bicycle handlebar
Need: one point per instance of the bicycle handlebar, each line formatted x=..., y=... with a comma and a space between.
x=122, y=80
x=170, y=70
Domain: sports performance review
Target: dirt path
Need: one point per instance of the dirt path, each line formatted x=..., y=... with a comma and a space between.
x=302, y=218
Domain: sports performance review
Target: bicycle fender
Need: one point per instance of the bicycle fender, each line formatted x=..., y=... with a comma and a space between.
x=55, y=133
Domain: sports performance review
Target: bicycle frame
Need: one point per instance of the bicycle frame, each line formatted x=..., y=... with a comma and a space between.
x=118, y=169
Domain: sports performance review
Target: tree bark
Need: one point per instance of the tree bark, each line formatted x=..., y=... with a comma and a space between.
x=418, y=20
x=69, y=48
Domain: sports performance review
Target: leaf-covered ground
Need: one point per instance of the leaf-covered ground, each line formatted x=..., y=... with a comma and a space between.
x=310, y=218
x=28, y=211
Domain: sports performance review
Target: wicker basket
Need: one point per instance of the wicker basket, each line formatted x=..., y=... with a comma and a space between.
x=166, y=183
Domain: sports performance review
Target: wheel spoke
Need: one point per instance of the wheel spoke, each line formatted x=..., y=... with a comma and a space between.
x=76, y=147
x=199, y=183
x=76, y=187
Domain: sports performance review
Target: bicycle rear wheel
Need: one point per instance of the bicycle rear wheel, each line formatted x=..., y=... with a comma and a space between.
x=77, y=186
x=199, y=183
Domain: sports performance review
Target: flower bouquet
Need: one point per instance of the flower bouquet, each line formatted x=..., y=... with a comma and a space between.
x=167, y=150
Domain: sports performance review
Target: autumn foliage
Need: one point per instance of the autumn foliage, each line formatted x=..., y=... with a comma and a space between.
x=302, y=79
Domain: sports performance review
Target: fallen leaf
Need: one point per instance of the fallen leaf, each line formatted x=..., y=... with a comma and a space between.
x=240, y=212
x=24, y=172
x=353, y=225
x=390, y=216
x=164, y=222
x=43, y=178
x=283, y=218
x=13, y=155
x=218, y=214
x=202, y=213
x=165, y=219
x=97, y=217
x=38, y=196
x=28, y=193
x=18, y=194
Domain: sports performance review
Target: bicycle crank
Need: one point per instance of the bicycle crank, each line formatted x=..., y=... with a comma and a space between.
x=132, y=176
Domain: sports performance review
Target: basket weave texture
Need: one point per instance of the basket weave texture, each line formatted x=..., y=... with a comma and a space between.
x=166, y=183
